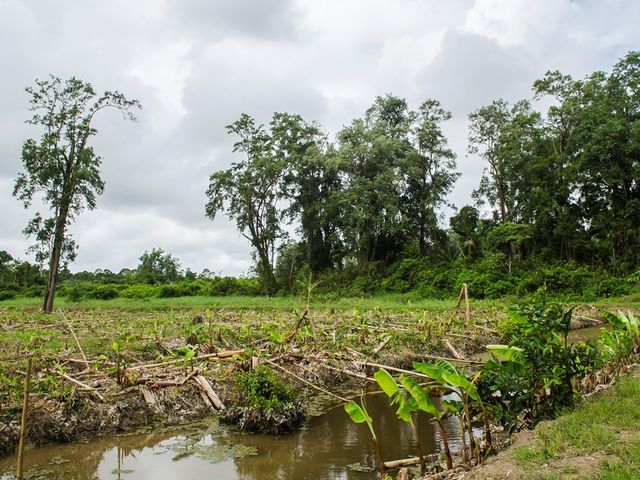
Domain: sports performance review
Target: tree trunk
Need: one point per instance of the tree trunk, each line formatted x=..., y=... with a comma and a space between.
x=56, y=253
x=502, y=201
x=422, y=243
x=54, y=267
x=266, y=270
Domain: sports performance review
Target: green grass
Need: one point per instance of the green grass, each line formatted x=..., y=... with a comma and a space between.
x=393, y=302
x=607, y=424
x=386, y=302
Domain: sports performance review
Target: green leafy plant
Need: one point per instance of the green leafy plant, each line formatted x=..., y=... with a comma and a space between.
x=404, y=410
x=261, y=388
x=533, y=376
x=446, y=376
x=359, y=414
x=424, y=403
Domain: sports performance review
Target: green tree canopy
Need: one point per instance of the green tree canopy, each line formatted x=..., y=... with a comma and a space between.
x=62, y=165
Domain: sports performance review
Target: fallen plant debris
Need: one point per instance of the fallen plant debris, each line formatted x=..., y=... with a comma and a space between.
x=150, y=374
x=152, y=377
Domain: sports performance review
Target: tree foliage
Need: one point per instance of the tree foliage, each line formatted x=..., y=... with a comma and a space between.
x=156, y=266
x=62, y=166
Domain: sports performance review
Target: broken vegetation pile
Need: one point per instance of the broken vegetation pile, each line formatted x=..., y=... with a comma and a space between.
x=103, y=371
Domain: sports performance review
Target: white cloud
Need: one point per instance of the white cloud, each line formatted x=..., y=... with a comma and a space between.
x=197, y=65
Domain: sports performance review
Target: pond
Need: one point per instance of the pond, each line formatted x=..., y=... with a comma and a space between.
x=330, y=447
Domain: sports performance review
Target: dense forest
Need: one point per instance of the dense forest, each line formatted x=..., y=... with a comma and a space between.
x=558, y=206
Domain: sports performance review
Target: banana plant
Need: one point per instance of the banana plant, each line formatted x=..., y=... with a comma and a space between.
x=506, y=353
x=405, y=408
x=628, y=323
x=622, y=340
x=446, y=375
x=424, y=403
x=359, y=414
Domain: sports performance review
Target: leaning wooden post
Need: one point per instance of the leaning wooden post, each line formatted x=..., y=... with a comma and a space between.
x=467, y=310
x=23, y=427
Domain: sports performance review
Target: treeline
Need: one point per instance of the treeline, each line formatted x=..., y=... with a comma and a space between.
x=158, y=274
x=561, y=185
x=558, y=205
x=415, y=277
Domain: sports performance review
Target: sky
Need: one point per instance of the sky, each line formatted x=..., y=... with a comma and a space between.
x=197, y=65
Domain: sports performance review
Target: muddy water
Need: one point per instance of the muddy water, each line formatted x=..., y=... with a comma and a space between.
x=575, y=336
x=584, y=334
x=330, y=447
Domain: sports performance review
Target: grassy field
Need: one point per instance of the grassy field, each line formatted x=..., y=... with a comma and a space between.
x=598, y=440
x=389, y=302
x=382, y=302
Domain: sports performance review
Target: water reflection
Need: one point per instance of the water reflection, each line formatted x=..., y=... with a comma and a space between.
x=323, y=451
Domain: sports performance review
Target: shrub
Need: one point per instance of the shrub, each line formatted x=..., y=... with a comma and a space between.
x=74, y=293
x=538, y=382
x=35, y=291
x=613, y=287
x=182, y=289
x=566, y=278
x=261, y=388
x=170, y=291
x=7, y=295
x=104, y=292
x=139, y=290
x=223, y=286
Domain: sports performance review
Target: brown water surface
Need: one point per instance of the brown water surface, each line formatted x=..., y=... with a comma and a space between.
x=330, y=447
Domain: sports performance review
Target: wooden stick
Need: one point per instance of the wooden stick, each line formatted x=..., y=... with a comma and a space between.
x=467, y=310
x=394, y=369
x=459, y=298
x=360, y=376
x=150, y=398
x=174, y=383
x=407, y=462
x=452, y=349
x=84, y=357
x=23, y=427
x=381, y=345
x=206, y=400
x=226, y=353
x=404, y=474
x=316, y=387
x=78, y=383
x=213, y=396
x=594, y=320
x=221, y=355
x=291, y=335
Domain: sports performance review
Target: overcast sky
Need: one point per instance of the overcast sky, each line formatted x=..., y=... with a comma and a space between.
x=196, y=65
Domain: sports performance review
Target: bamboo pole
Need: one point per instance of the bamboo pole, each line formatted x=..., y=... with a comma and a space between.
x=23, y=427
x=209, y=356
x=453, y=350
x=399, y=370
x=78, y=383
x=211, y=394
x=467, y=307
x=84, y=357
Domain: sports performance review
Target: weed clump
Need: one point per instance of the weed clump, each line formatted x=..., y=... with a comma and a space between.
x=261, y=388
x=265, y=403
